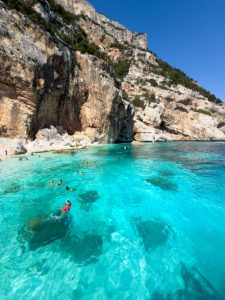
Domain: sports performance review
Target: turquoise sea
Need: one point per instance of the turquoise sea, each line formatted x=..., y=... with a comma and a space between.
x=147, y=222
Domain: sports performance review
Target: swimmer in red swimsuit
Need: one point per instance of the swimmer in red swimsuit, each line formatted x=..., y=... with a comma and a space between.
x=66, y=208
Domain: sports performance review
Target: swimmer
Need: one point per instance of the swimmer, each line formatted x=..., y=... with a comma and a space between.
x=66, y=208
x=79, y=173
x=70, y=189
x=59, y=183
x=51, y=183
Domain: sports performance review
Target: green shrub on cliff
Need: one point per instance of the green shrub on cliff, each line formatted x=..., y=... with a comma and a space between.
x=18, y=5
x=153, y=82
x=202, y=111
x=125, y=95
x=76, y=41
x=121, y=68
x=138, y=102
x=26, y=8
x=150, y=98
x=85, y=47
x=176, y=76
x=119, y=46
x=58, y=9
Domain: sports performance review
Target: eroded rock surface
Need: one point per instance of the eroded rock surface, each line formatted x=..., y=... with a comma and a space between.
x=94, y=79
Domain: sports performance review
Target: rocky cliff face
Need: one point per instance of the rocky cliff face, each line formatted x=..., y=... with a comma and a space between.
x=102, y=30
x=44, y=82
x=65, y=65
x=173, y=112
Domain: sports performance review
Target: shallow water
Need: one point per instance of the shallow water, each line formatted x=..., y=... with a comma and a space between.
x=146, y=222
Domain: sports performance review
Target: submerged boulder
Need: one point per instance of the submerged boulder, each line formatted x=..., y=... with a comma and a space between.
x=153, y=234
x=162, y=182
x=43, y=230
x=87, y=199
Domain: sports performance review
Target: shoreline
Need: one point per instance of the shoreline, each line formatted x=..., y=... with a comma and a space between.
x=53, y=149
x=63, y=149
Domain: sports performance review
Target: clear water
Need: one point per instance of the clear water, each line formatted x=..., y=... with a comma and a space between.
x=147, y=222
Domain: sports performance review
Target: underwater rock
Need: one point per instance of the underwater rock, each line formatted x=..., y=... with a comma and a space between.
x=43, y=230
x=158, y=296
x=85, y=248
x=37, y=223
x=85, y=244
x=152, y=233
x=88, y=198
x=162, y=182
x=12, y=188
x=65, y=151
x=196, y=287
x=166, y=173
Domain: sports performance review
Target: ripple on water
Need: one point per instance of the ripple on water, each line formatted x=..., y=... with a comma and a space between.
x=162, y=182
x=152, y=233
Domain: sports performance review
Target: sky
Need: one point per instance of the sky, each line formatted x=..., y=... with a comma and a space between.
x=188, y=34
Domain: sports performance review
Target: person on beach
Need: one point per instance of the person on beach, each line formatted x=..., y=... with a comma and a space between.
x=67, y=207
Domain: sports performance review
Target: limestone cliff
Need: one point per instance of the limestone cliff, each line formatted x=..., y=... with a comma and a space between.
x=44, y=82
x=65, y=65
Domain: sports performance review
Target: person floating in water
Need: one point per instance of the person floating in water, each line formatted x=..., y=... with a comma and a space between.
x=59, y=183
x=79, y=173
x=51, y=183
x=70, y=189
x=67, y=207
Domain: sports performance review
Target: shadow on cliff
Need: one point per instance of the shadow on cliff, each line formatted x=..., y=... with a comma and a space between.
x=121, y=120
x=60, y=94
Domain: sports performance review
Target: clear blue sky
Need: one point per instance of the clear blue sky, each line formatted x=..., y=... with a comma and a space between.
x=188, y=34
